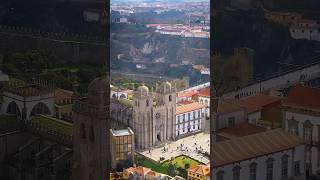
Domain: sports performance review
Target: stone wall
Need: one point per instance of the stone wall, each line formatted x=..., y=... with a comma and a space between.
x=67, y=47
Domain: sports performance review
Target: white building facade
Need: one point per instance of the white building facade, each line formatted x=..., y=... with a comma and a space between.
x=270, y=155
x=189, y=120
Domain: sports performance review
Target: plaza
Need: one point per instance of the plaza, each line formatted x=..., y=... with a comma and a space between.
x=193, y=146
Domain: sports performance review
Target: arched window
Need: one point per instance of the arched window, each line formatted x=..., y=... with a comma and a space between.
x=147, y=102
x=13, y=108
x=253, y=171
x=170, y=98
x=270, y=169
x=284, y=166
x=220, y=175
x=40, y=108
x=91, y=135
x=236, y=173
x=83, y=131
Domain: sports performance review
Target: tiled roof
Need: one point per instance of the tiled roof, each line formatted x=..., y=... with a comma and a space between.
x=247, y=147
x=61, y=94
x=304, y=98
x=153, y=174
x=201, y=170
x=243, y=129
x=189, y=107
x=28, y=90
x=139, y=170
x=187, y=93
x=227, y=107
x=205, y=92
x=255, y=103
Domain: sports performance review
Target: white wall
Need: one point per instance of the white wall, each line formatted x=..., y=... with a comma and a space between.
x=195, y=123
x=315, y=120
x=30, y=102
x=254, y=117
x=239, y=117
x=278, y=82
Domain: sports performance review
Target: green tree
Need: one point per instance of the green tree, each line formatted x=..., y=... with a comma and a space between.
x=171, y=170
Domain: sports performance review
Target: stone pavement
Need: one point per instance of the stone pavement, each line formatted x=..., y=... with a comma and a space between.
x=186, y=146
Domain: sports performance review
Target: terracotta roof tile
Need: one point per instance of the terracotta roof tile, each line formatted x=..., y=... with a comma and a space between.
x=251, y=146
x=61, y=94
x=187, y=93
x=303, y=97
x=227, y=107
x=189, y=107
x=205, y=92
x=255, y=103
x=242, y=129
x=201, y=170
x=139, y=170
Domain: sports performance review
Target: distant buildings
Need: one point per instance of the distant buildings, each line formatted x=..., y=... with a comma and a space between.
x=306, y=29
x=268, y=155
x=122, y=148
x=181, y=30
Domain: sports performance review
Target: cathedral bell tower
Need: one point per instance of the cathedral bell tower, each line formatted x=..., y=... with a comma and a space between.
x=90, y=133
x=166, y=97
x=142, y=117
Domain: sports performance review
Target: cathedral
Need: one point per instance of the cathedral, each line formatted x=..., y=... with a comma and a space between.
x=153, y=116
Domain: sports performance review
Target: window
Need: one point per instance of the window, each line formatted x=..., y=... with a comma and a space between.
x=293, y=130
x=184, y=117
x=236, y=173
x=270, y=169
x=297, y=168
x=91, y=135
x=147, y=103
x=220, y=175
x=284, y=166
x=189, y=116
x=318, y=160
x=83, y=131
x=170, y=98
x=199, y=114
x=253, y=171
x=307, y=131
x=231, y=121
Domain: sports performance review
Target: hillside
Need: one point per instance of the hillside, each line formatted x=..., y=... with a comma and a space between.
x=135, y=44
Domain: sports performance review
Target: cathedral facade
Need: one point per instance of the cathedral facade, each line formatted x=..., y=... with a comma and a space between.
x=153, y=117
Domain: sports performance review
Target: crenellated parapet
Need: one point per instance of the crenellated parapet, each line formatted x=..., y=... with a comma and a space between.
x=56, y=36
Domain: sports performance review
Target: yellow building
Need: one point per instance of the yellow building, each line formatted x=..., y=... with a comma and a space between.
x=199, y=172
x=64, y=100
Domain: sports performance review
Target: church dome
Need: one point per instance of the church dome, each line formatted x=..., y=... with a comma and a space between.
x=97, y=91
x=143, y=90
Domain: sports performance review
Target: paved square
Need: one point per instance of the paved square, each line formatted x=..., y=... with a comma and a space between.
x=189, y=146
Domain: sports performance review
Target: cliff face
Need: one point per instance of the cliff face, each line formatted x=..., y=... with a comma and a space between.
x=150, y=47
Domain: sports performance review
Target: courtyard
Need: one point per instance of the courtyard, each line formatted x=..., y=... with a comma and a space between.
x=193, y=146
